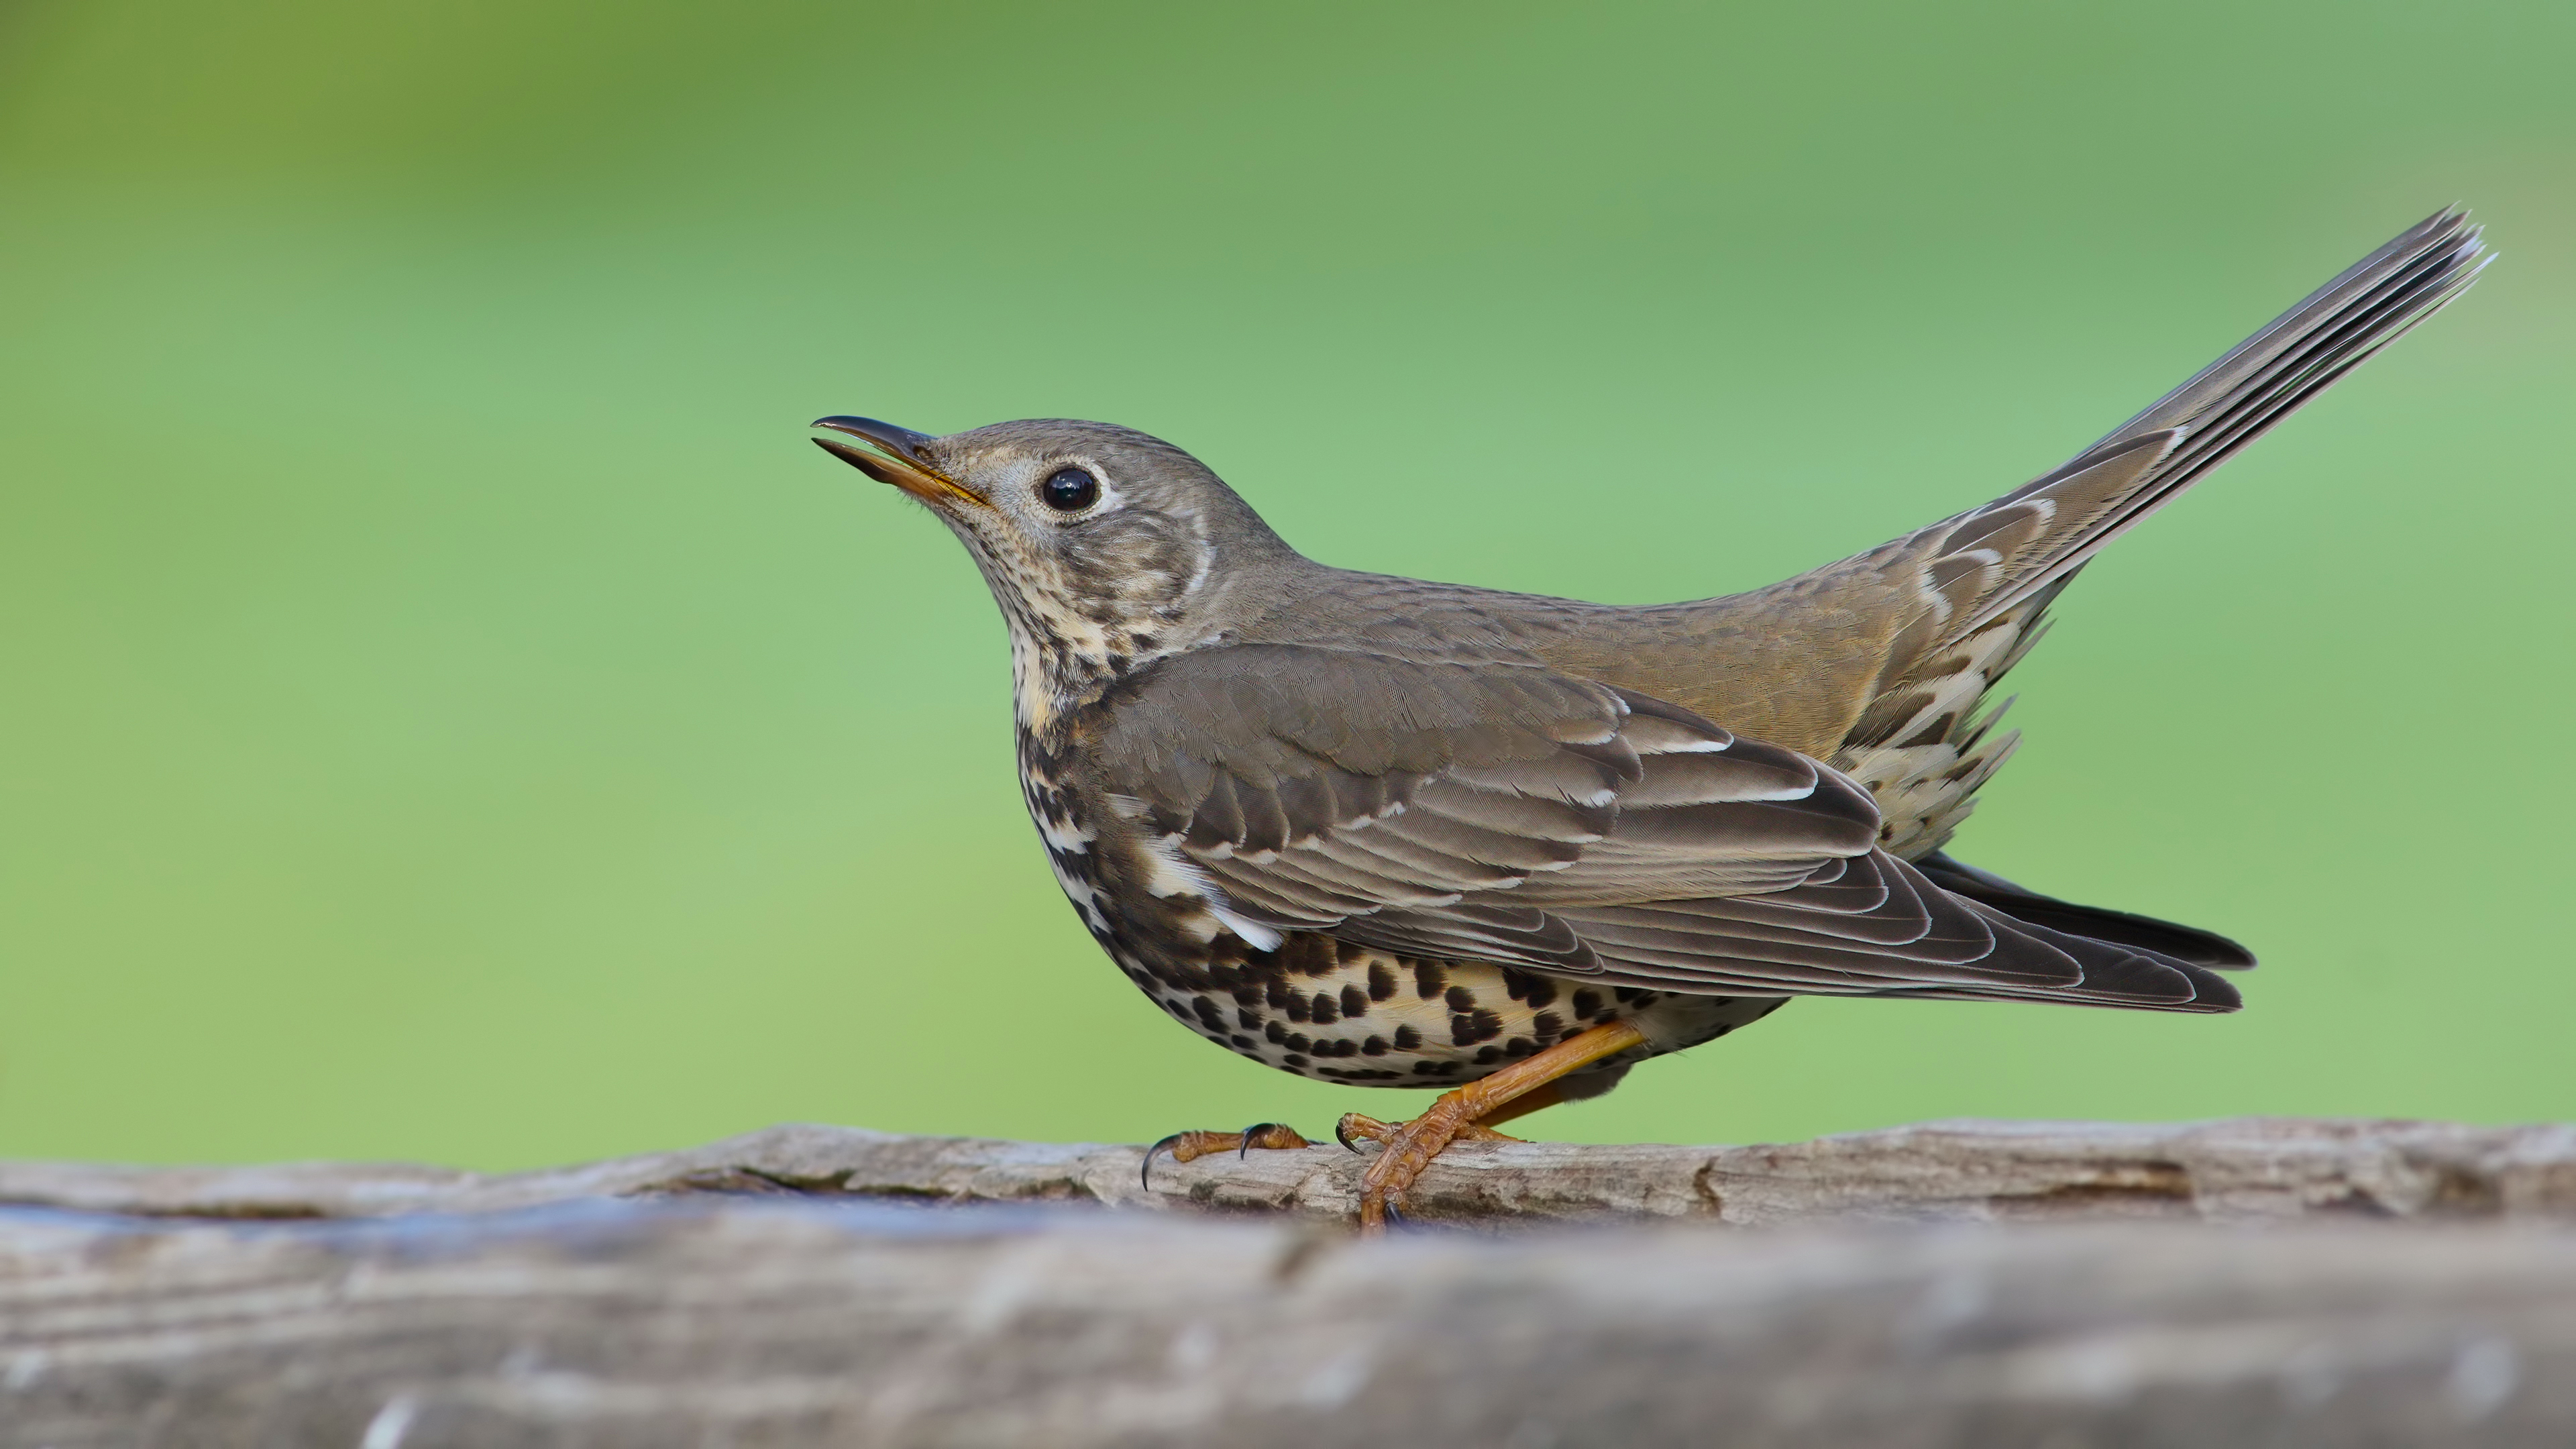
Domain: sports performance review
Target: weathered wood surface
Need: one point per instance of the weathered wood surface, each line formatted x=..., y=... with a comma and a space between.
x=1975, y=1285
x=2246, y=1168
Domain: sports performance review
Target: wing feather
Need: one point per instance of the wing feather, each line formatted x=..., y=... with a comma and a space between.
x=1516, y=816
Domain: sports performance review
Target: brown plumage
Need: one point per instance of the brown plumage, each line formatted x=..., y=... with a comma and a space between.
x=1390, y=832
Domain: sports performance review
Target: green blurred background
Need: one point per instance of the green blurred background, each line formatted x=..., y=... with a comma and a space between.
x=447, y=711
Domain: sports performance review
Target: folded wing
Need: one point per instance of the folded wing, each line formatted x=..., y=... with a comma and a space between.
x=1524, y=817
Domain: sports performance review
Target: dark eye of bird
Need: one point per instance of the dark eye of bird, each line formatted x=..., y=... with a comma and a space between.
x=1070, y=490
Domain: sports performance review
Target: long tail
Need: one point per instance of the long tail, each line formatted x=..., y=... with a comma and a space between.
x=1980, y=582
x=2040, y=533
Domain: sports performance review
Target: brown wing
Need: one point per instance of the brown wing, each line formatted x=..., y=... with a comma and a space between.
x=1516, y=815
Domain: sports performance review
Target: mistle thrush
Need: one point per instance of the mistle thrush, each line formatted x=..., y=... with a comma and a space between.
x=1391, y=833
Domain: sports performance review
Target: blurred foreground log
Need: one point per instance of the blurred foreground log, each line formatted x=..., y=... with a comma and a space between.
x=1962, y=1284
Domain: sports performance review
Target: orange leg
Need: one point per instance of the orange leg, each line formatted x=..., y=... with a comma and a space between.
x=1543, y=1095
x=1410, y=1146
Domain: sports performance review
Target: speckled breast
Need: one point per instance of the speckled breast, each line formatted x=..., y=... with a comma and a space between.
x=1322, y=1007
x=1339, y=1012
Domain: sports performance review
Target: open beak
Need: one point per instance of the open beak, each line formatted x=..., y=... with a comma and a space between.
x=893, y=455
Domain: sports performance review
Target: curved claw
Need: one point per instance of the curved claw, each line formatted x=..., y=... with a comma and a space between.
x=1342, y=1135
x=1253, y=1137
x=1145, y=1169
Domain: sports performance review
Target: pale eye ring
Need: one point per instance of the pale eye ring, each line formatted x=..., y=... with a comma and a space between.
x=1069, y=490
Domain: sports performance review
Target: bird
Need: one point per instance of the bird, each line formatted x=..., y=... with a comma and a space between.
x=1385, y=832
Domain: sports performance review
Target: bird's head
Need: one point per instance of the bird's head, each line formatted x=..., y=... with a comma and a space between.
x=1103, y=546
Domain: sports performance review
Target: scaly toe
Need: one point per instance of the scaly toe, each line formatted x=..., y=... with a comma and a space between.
x=1190, y=1146
x=1184, y=1147
x=1409, y=1148
x=1360, y=1126
x=1270, y=1136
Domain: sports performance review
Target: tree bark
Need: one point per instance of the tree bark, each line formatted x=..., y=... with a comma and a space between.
x=1958, y=1284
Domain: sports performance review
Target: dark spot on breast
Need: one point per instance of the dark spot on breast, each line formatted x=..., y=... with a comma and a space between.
x=1298, y=1041
x=1247, y=1018
x=1381, y=981
x=1277, y=995
x=1275, y=1032
x=1470, y=1027
x=1428, y=978
x=1375, y=1046
x=1241, y=1043
x=1209, y=1015
x=1300, y=1007
x=1310, y=955
x=1346, y=952
x=1406, y=1038
x=1629, y=995
x=1519, y=1046
x=1325, y=1012
x=1355, y=1002
x=1292, y=1060
x=1587, y=1004
x=1346, y=1048
x=1548, y=1025
x=1487, y=1056
x=1461, y=999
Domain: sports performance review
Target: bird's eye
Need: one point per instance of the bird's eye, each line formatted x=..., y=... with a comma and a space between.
x=1070, y=490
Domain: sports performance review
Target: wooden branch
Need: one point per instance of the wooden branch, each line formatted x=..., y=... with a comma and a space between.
x=2247, y=1168
x=2346, y=1283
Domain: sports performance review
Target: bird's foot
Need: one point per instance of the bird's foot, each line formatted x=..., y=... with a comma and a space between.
x=1188, y=1146
x=1406, y=1148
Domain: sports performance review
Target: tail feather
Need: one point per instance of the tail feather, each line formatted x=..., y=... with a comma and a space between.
x=1985, y=577
x=2187, y=944
x=2442, y=249
x=2149, y=460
